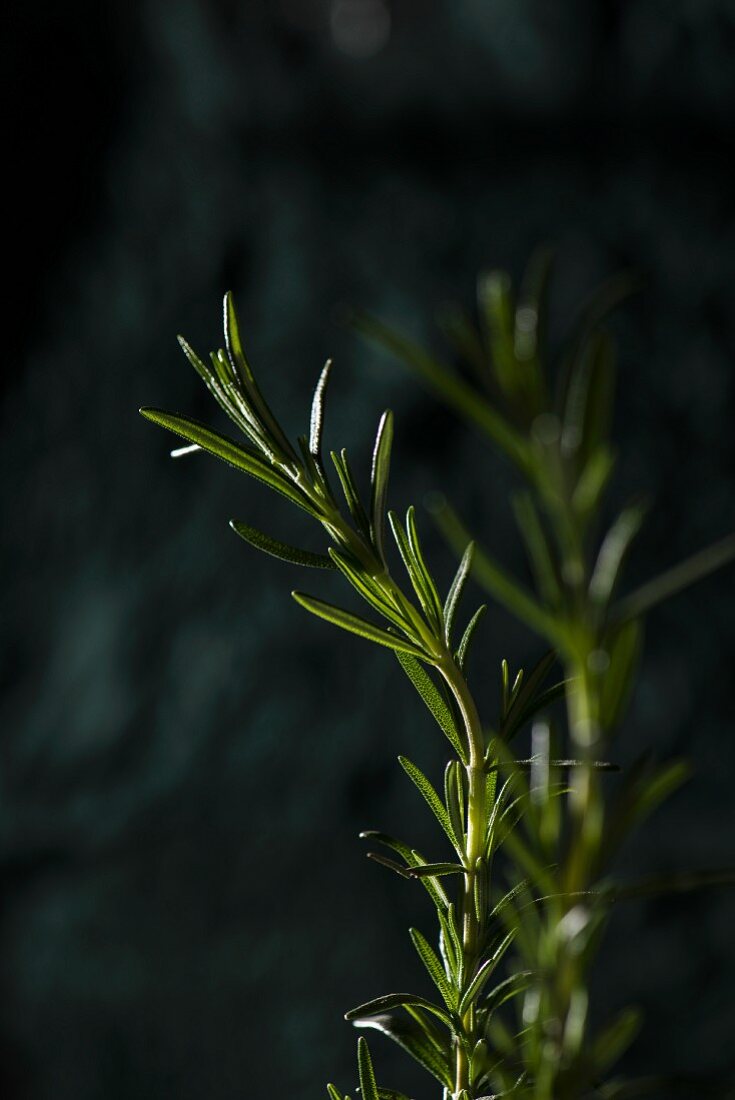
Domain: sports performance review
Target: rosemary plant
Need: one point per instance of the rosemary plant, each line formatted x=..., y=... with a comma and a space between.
x=524, y=939
x=552, y=421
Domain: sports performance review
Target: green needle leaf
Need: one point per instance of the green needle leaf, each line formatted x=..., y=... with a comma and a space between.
x=365, y=585
x=615, y=1039
x=282, y=550
x=454, y=796
x=528, y=699
x=379, y=481
x=241, y=367
x=355, y=625
x=503, y=992
x=456, y=589
x=413, y=859
x=537, y=547
x=429, y=692
x=412, y=1036
x=349, y=488
x=317, y=411
x=368, y=1085
x=445, y=385
x=435, y=969
x=429, y=595
x=391, y=864
x=612, y=553
x=474, y=989
x=398, y=1000
x=436, y=869
x=490, y=575
x=233, y=341
x=676, y=579
x=495, y=301
x=432, y=799
x=623, y=647
x=416, y=574
x=232, y=453
x=464, y=646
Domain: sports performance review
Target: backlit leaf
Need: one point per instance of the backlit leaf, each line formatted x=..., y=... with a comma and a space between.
x=232, y=453
x=463, y=648
x=379, y=481
x=398, y=1000
x=317, y=411
x=368, y=1085
x=407, y=1034
x=456, y=589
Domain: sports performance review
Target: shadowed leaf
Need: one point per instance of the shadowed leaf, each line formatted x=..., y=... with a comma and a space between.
x=282, y=550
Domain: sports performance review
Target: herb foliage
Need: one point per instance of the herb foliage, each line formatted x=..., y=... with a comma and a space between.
x=515, y=938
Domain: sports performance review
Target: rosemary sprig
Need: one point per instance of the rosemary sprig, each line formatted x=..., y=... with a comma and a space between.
x=554, y=427
x=511, y=1011
x=447, y=1037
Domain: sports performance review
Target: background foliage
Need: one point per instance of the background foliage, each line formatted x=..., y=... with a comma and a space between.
x=182, y=887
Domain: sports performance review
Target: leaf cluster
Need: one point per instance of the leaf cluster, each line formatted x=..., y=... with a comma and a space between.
x=516, y=935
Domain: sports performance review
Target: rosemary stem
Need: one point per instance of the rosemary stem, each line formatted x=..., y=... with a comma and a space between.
x=475, y=863
x=566, y=1024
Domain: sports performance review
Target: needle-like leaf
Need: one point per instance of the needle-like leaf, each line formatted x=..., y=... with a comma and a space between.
x=436, y=870
x=612, y=553
x=398, y=1000
x=455, y=591
x=368, y=1085
x=349, y=488
x=463, y=398
x=371, y=592
x=431, y=695
x=432, y=603
x=317, y=411
x=379, y=481
x=676, y=579
x=538, y=548
x=428, y=600
x=434, y=968
x=463, y=648
x=413, y=859
x=355, y=625
x=408, y=1034
x=232, y=453
x=454, y=796
x=432, y=799
x=492, y=577
x=282, y=550
x=240, y=365
x=484, y=973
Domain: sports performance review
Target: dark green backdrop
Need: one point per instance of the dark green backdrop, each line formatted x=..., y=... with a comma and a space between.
x=186, y=910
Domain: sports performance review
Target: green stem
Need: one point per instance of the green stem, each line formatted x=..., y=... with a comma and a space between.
x=586, y=805
x=475, y=863
x=565, y=999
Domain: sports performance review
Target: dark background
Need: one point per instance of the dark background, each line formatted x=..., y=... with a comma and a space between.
x=187, y=757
